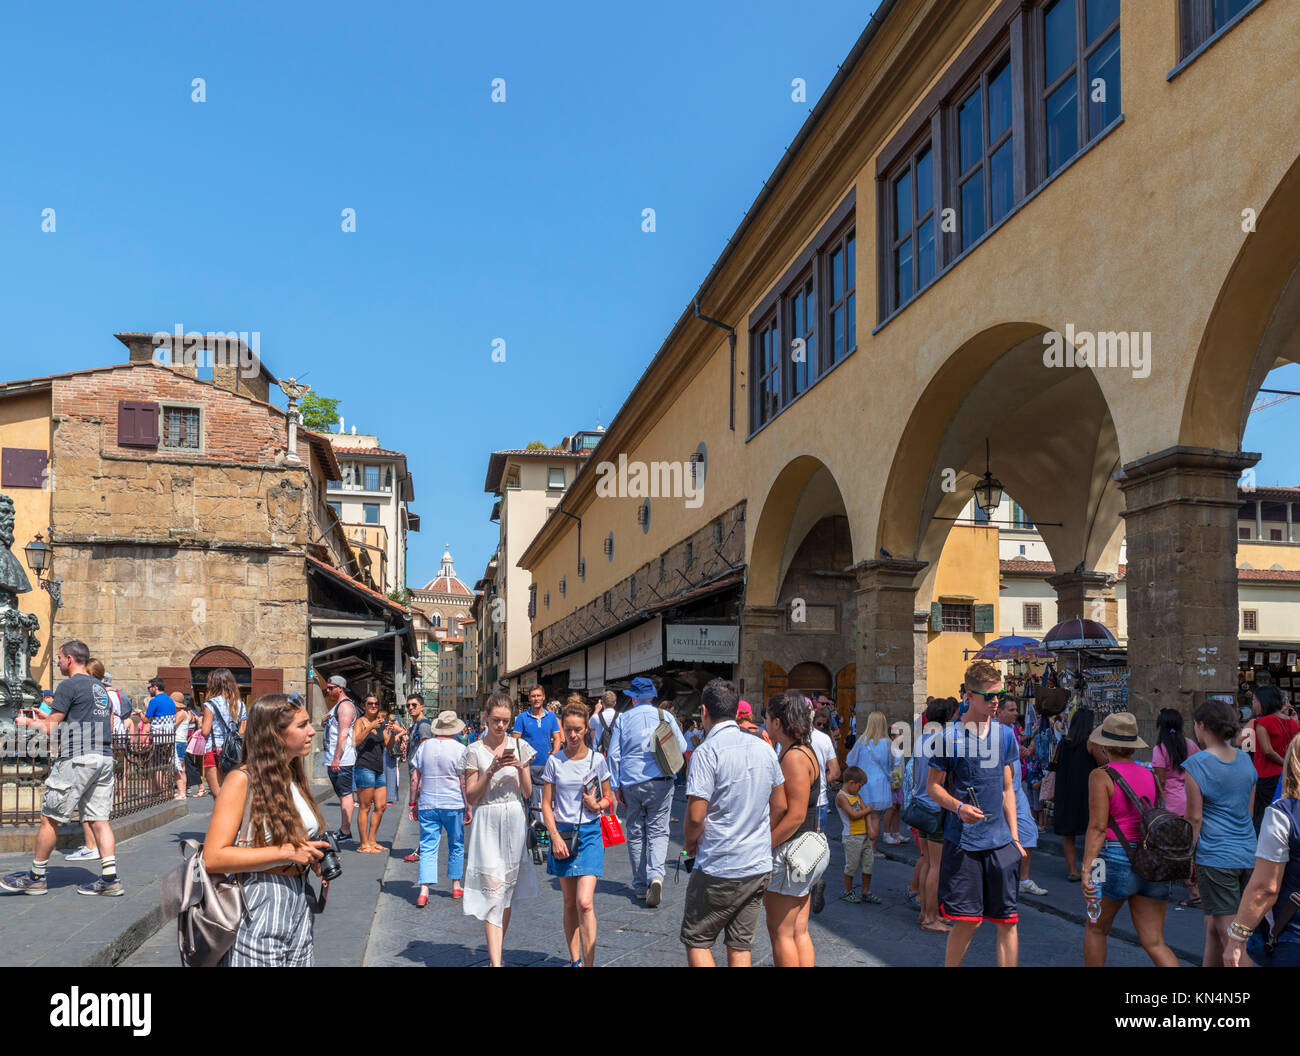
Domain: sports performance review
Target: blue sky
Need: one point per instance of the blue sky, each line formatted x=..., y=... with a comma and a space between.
x=475, y=220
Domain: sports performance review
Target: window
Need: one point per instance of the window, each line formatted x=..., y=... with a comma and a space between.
x=1275, y=534
x=372, y=478
x=985, y=152
x=1020, y=519
x=981, y=516
x=767, y=386
x=802, y=328
x=1033, y=615
x=181, y=428
x=690, y=552
x=564, y=585
x=532, y=601
x=1243, y=533
x=1250, y=619
x=555, y=477
x=841, y=286
x=912, y=202
x=958, y=617
x=370, y=512
x=1199, y=20
x=1079, y=36
x=337, y=507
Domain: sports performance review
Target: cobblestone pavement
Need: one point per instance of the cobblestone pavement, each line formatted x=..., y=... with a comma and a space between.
x=631, y=934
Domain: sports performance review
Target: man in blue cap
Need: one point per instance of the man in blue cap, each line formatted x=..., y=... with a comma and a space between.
x=642, y=787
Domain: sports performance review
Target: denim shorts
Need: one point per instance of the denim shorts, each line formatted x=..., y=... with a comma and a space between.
x=1122, y=883
x=363, y=778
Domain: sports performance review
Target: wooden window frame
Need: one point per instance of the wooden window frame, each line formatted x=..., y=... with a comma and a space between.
x=1196, y=29
x=1249, y=616
x=1037, y=606
x=804, y=285
x=969, y=608
x=978, y=81
x=760, y=413
x=180, y=405
x=845, y=240
x=895, y=239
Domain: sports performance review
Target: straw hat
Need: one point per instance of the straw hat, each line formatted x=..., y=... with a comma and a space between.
x=1119, y=730
x=447, y=724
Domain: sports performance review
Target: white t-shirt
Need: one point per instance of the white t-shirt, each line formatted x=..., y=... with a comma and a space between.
x=438, y=760
x=1274, y=837
x=217, y=735
x=824, y=748
x=568, y=776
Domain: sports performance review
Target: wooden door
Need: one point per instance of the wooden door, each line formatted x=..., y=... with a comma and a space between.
x=266, y=680
x=846, y=702
x=775, y=681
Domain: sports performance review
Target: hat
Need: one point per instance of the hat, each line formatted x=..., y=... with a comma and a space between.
x=1119, y=730
x=447, y=724
x=338, y=680
x=743, y=709
x=641, y=689
x=47, y=693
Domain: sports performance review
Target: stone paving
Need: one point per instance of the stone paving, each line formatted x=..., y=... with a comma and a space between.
x=631, y=934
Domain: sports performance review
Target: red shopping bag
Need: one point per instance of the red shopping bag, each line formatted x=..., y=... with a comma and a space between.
x=611, y=832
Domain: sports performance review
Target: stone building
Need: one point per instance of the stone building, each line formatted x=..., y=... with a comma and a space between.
x=1028, y=311
x=190, y=532
x=372, y=498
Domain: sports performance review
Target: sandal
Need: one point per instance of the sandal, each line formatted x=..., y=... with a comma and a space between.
x=872, y=899
x=1190, y=903
x=1074, y=878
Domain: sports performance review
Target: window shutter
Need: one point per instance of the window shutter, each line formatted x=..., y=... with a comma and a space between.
x=266, y=680
x=22, y=467
x=983, y=619
x=137, y=423
x=936, y=616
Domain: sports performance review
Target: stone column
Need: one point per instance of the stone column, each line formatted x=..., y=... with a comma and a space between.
x=1087, y=595
x=920, y=658
x=758, y=624
x=1181, y=528
x=886, y=637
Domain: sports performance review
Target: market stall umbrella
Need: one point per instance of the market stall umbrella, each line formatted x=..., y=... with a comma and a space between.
x=1012, y=647
x=1079, y=634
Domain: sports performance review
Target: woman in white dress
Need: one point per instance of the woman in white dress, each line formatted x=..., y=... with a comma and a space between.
x=498, y=867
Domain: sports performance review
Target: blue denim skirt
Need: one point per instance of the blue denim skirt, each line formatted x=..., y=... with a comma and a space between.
x=590, y=857
x=1122, y=883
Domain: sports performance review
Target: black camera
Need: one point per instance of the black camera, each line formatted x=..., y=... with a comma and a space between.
x=330, y=866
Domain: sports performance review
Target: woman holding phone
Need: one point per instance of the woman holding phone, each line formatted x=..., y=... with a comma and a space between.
x=575, y=791
x=498, y=871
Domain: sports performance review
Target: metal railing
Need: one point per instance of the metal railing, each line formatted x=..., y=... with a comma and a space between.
x=144, y=775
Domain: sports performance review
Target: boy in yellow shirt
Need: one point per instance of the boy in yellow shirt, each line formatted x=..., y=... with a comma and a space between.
x=859, y=854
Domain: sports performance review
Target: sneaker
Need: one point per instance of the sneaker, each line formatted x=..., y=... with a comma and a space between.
x=82, y=854
x=111, y=888
x=819, y=896
x=1028, y=887
x=914, y=899
x=872, y=899
x=23, y=883
x=341, y=837
x=654, y=893
x=853, y=897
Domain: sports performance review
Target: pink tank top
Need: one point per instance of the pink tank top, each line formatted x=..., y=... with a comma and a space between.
x=1140, y=780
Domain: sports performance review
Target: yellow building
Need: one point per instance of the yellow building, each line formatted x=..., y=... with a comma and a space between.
x=1064, y=236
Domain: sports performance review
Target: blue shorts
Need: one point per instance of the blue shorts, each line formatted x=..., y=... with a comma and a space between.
x=363, y=778
x=341, y=780
x=979, y=885
x=1122, y=883
x=590, y=859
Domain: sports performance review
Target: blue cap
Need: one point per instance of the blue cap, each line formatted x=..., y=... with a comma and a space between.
x=641, y=689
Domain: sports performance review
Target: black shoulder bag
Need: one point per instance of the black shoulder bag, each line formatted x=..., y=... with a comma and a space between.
x=232, y=748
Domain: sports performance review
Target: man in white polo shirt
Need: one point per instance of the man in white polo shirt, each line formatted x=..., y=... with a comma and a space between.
x=734, y=784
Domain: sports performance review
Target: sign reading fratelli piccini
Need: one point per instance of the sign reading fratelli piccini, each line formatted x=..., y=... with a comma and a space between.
x=707, y=642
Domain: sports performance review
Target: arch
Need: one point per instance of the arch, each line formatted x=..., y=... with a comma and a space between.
x=220, y=656
x=803, y=492
x=1054, y=445
x=810, y=677
x=1253, y=327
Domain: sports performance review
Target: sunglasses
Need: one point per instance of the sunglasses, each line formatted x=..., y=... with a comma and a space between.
x=992, y=698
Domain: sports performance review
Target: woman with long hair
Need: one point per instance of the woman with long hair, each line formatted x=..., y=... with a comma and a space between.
x=788, y=899
x=872, y=754
x=273, y=851
x=1274, y=728
x=371, y=733
x=1274, y=881
x=1173, y=748
x=1220, y=795
x=498, y=869
x=223, y=710
x=1074, y=761
x=938, y=713
x=575, y=792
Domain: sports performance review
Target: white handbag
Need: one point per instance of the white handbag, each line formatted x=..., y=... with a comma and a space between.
x=803, y=854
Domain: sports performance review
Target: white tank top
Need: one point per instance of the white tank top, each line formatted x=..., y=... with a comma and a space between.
x=349, y=756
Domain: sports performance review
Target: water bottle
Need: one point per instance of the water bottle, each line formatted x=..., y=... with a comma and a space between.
x=1093, y=902
x=1096, y=877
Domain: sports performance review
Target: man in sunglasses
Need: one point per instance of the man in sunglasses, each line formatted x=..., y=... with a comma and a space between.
x=420, y=729
x=972, y=780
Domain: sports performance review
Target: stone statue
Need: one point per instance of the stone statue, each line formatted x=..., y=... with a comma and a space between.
x=293, y=389
x=17, y=687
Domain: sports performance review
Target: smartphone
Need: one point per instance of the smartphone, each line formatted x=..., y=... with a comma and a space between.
x=591, y=787
x=509, y=753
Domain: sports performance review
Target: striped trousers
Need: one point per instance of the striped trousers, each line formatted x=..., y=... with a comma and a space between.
x=276, y=930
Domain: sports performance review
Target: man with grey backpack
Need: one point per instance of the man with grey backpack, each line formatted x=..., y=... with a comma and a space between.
x=646, y=751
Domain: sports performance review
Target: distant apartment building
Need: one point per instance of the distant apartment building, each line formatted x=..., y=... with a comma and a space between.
x=372, y=498
x=528, y=484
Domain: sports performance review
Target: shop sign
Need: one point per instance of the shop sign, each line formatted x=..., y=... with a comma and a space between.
x=646, y=646
x=596, y=667
x=618, y=657
x=578, y=670
x=717, y=643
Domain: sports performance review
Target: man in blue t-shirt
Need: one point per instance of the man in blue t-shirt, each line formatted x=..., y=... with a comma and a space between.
x=541, y=729
x=980, y=867
x=161, y=710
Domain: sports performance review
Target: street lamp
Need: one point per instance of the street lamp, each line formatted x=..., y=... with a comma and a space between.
x=988, y=492
x=40, y=556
